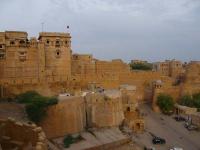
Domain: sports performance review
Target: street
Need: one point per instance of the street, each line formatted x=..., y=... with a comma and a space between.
x=175, y=134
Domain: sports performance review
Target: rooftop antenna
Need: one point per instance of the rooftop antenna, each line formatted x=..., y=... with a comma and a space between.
x=42, y=26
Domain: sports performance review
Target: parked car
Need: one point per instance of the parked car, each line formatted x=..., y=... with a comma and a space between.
x=64, y=94
x=151, y=148
x=158, y=140
x=190, y=127
x=176, y=148
x=179, y=118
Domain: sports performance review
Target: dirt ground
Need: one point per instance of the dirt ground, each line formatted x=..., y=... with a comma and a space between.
x=130, y=146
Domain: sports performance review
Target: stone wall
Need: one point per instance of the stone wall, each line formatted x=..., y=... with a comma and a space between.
x=104, y=110
x=18, y=135
x=67, y=117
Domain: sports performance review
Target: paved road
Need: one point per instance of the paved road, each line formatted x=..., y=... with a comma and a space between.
x=166, y=127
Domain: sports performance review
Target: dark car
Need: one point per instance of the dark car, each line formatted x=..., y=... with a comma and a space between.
x=158, y=140
x=179, y=118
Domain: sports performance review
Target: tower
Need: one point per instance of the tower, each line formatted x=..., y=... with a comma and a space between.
x=57, y=51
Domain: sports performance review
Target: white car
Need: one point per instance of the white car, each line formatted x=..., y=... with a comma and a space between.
x=64, y=94
x=176, y=148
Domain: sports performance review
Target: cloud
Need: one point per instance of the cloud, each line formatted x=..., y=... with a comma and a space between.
x=127, y=29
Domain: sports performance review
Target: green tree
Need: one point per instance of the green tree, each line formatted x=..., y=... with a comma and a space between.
x=191, y=100
x=141, y=66
x=36, y=104
x=196, y=100
x=27, y=97
x=186, y=100
x=165, y=102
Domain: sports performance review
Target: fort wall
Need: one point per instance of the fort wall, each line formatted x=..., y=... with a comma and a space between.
x=67, y=117
x=18, y=135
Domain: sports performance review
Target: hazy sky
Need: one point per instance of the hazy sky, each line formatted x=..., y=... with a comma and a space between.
x=128, y=29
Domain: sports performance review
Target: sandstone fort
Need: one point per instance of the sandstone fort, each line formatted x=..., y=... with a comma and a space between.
x=97, y=93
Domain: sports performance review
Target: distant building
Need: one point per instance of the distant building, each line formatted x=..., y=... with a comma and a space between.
x=171, y=68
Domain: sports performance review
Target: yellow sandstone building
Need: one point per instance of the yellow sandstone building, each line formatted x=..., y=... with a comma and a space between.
x=48, y=66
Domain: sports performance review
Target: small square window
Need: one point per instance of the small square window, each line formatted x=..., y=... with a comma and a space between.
x=2, y=54
x=22, y=42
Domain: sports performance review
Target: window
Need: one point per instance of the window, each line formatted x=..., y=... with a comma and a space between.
x=48, y=42
x=58, y=53
x=57, y=43
x=22, y=55
x=66, y=43
x=1, y=46
x=22, y=42
x=12, y=42
x=2, y=54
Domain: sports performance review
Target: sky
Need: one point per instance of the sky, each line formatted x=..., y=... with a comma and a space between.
x=152, y=30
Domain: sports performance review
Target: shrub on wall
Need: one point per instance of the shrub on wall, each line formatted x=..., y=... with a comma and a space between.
x=165, y=103
x=26, y=97
x=36, y=104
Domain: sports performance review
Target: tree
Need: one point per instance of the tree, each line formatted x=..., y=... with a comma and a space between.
x=36, y=104
x=165, y=103
x=186, y=100
x=196, y=100
x=141, y=66
x=191, y=100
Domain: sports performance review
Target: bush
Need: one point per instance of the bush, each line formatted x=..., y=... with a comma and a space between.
x=36, y=111
x=190, y=100
x=186, y=101
x=27, y=97
x=141, y=66
x=166, y=103
x=36, y=104
x=68, y=140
